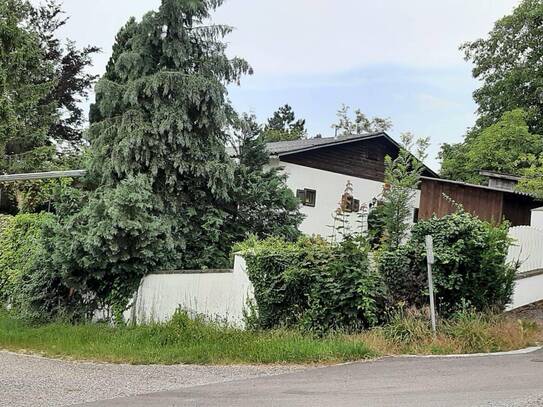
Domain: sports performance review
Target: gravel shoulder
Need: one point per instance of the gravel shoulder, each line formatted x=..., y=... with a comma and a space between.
x=36, y=381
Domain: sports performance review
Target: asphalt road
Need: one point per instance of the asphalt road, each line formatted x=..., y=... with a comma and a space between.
x=509, y=380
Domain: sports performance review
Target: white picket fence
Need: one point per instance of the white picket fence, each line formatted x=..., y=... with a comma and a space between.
x=527, y=250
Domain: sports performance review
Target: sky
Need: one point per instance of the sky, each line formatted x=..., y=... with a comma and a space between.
x=390, y=58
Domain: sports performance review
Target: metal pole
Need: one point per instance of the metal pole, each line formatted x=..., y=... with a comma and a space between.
x=430, y=261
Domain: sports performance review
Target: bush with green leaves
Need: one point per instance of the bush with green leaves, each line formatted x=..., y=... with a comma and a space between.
x=312, y=284
x=20, y=243
x=470, y=265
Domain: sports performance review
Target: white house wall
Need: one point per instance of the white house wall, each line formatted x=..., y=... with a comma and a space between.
x=330, y=186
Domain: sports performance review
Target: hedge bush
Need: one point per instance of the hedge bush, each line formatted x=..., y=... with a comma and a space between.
x=312, y=284
x=470, y=265
x=20, y=243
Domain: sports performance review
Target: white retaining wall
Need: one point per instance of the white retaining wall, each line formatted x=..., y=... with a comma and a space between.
x=220, y=295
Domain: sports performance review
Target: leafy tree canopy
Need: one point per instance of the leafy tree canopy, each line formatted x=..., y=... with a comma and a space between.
x=501, y=147
x=42, y=85
x=359, y=124
x=283, y=126
x=26, y=80
x=509, y=63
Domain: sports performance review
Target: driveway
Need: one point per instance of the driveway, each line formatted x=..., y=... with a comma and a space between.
x=510, y=380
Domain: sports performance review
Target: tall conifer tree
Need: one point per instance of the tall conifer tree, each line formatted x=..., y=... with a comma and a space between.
x=160, y=114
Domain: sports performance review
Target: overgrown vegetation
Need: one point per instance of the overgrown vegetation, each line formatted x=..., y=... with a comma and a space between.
x=161, y=190
x=470, y=265
x=313, y=285
x=183, y=340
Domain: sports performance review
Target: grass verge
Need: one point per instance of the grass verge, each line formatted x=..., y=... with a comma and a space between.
x=178, y=341
x=183, y=340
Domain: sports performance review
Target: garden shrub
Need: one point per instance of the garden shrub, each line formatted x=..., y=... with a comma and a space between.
x=5, y=221
x=470, y=265
x=20, y=243
x=312, y=284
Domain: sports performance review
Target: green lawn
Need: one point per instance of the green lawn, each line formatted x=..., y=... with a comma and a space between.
x=180, y=341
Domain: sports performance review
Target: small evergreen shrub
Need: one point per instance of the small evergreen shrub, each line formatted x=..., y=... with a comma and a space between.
x=312, y=284
x=470, y=265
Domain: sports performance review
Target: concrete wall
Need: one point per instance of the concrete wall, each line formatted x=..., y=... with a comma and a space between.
x=221, y=295
x=330, y=186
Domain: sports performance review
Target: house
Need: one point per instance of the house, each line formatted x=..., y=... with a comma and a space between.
x=494, y=203
x=320, y=170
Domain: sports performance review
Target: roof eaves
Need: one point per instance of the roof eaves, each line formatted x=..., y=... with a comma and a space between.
x=333, y=142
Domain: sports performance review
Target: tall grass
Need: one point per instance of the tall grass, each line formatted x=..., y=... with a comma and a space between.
x=466, y=332
x=183, y=340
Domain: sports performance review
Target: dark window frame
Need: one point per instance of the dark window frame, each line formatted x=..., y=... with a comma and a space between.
x=308, y=197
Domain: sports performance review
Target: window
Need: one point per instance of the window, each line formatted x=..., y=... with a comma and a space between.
x=308, y=197
x=349, y=204
x=416, y=215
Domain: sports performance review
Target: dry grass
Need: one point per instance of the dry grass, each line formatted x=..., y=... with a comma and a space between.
x=467, y=333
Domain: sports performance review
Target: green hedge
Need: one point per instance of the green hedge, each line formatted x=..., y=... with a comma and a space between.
x=312, y=284
x=470, y=269
x=20, y=240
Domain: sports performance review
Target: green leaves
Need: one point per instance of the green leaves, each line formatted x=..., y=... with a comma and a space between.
x=510, y=65
x=470, y=265
x=503, y=147
x=313, y=285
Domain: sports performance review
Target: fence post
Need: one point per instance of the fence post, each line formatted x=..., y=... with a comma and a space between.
x=430, y=261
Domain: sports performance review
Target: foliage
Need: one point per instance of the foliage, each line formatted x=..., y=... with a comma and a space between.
x=532, y=177
x=312, y=284
x=402, y=177
x=160, y=113
x=20, y=243
x=26, y=79
x=360, y=124
x=501, y=147
x=157, y=159
x=102, y=251
x=71, y=81
x=42, y=82
x=263, y=204
x=283, y=126
x=509, y=64
x=470, y=265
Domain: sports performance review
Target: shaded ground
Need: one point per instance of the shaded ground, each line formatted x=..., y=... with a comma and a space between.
x=36, y=381
x=509, y=380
